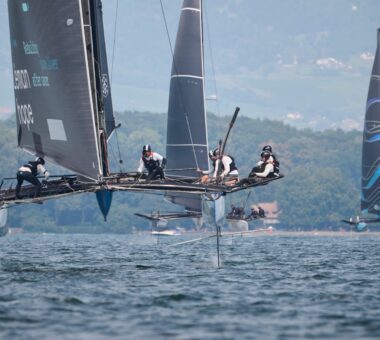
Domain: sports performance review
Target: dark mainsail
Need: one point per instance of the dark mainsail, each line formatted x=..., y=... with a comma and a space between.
x=55, y=82
x=370, y=200
x=187, y=146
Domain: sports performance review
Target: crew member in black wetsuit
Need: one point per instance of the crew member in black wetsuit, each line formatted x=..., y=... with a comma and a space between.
x=232, y=214
x=261, y=212
x=253, y=215
x=28, y=172
x=153, y=162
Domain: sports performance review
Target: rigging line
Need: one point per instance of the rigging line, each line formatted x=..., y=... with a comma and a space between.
x=119, y=152
x=212, y=62
x=114, y=40
x=110, y=146
x=191, y=139
x=112, y=66
x=179, y=84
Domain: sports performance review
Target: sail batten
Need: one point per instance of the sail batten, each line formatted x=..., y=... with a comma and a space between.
x=186, y=76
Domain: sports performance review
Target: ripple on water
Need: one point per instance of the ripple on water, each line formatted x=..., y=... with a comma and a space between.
x=90, y=286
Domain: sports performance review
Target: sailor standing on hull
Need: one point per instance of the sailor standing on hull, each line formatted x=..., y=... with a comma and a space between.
x=28, y=172
x=153, y=162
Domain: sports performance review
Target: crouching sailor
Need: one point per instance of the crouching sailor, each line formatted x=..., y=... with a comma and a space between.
x=276, y=163
x=265, y=168
x=153, y=162
x=28, y=172
x=230, y=173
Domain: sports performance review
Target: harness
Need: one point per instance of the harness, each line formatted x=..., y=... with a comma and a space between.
x=276, y=164
x=150, y=164
x=232, y=165
x=32, y=166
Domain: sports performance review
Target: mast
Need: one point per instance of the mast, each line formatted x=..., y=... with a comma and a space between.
x=370, y=199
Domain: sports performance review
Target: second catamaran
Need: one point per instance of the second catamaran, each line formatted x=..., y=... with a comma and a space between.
x=370, y=184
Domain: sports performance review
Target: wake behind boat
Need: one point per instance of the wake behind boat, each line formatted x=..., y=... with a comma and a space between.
x=167, y=232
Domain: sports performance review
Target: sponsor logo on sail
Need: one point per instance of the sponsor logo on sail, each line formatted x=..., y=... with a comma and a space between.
x=25, y=114
x=49, y=64
x=40, y=81
x=105, y=87
x=30, y=47
x=21, y=79
x=25, y=7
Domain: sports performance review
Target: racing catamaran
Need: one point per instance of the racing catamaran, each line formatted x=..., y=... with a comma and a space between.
x=186, y=139
x=64, y=106
x=370, y=184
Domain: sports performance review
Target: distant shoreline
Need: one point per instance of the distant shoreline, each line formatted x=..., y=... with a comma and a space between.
x=318, y=233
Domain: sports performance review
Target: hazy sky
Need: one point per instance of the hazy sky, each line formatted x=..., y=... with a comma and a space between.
x=303, y=62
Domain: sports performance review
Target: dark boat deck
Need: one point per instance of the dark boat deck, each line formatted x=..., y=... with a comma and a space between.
x=69, y=185
x=169, y=216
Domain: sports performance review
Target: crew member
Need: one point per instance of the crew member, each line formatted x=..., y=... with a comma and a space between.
x=233, y=211
x=254, y=214
x=267, y=168
x=276, y=163
x=261, y=212
x=240, y=212
x=28, y=172
x=153, y=162
x=230, y=173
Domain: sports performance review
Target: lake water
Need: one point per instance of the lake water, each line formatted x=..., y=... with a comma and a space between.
x=130, y=287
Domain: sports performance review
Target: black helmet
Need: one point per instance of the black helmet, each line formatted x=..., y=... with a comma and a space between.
x=267, y=148
x=213, y=153
x=40, y=160
x=265, y=155
x=146, y=148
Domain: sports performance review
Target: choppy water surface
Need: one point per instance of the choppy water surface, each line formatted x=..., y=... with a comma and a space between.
x=128, y=287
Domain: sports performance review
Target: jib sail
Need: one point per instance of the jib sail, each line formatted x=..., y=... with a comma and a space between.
x=187, y=146
x=370, y=201
x=55, y=82
x=101, y=67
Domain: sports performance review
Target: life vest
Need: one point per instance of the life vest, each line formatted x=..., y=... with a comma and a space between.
x=32, y=165
x=276, y=164
x=150, y=164
x=232, y=165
